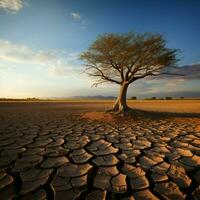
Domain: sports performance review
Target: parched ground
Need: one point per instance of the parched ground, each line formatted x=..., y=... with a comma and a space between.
x=58, y=151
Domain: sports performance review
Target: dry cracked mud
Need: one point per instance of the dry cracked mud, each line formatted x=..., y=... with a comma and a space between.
x=51, y=153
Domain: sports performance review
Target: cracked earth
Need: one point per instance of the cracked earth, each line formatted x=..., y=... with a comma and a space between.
x=51, y=153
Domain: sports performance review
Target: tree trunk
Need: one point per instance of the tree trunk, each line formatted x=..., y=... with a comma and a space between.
x=120, y=104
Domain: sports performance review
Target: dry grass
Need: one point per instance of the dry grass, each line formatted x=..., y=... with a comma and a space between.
x=176, y=106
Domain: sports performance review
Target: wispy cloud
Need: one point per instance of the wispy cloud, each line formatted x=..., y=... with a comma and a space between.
x=79, y=19
x=75, y=15
x=196, y=63
x=12, y=6
x=57, y=61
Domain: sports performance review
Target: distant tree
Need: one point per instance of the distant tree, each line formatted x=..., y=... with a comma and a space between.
x=168, y=98
x=125, y=58
x=182, y=97
x=133, y=98
x=32, y=99
x=153, y=98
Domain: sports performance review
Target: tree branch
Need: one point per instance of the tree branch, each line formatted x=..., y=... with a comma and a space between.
x=102, y=75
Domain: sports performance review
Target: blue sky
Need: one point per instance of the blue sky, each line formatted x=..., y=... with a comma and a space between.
x=40, y=42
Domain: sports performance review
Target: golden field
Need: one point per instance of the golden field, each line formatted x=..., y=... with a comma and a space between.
x=171, y=106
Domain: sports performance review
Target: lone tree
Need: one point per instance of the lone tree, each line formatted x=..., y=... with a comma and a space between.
x=125, y=58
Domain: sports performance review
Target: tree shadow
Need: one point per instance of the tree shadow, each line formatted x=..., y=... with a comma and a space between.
x=138, y=114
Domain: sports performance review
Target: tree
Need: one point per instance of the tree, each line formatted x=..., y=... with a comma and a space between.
x=133, y=98
x=168, y=98
x=125, y=58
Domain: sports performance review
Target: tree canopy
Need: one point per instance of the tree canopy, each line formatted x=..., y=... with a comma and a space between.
x=127, y=57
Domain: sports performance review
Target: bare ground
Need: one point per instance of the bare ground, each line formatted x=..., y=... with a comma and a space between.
x=74, y=150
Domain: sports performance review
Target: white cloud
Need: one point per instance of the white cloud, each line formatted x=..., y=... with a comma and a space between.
x=196, y=63
x=75, y=15
x=57, y=61
x=79, y=19
x=12, y=6
x=2, y=68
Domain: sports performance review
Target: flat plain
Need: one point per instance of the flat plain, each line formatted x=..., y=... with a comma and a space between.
x=74, y=150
